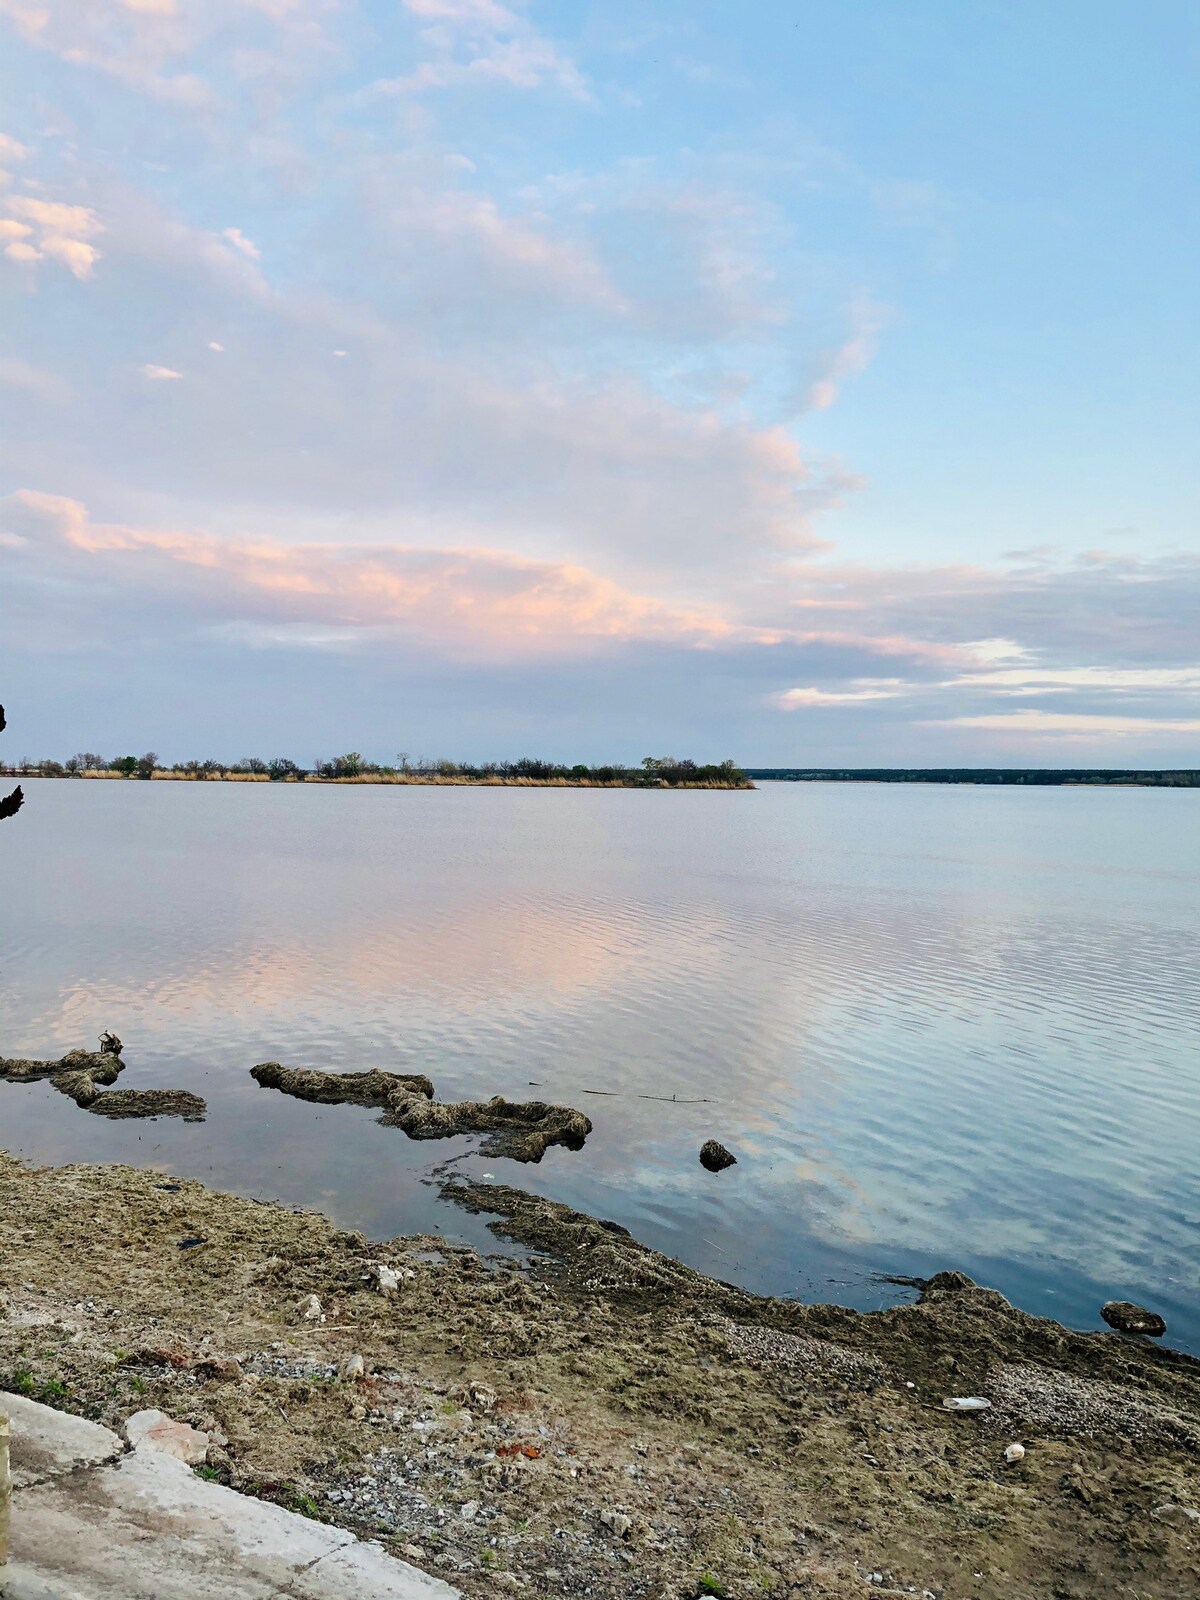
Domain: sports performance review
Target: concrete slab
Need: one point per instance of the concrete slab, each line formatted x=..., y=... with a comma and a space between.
x=144, y=1527
x=47, y=1443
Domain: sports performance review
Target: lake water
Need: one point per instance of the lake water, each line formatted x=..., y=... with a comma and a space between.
x=939, y=1026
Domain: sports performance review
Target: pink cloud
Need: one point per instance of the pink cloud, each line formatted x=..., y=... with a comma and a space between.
x=487, y=597
x=474, y=599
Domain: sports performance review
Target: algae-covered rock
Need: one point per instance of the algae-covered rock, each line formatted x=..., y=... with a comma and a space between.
x=521, y=1130
x=1129, y=1318
x=84, y=1076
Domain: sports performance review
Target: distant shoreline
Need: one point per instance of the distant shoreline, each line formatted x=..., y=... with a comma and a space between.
x=1030, y=777
x=411, y=780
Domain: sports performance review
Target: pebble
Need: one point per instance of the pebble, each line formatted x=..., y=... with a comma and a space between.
x=310, y=1309
x=1014, y=1453
x=353, y=1369
x=617, y=1521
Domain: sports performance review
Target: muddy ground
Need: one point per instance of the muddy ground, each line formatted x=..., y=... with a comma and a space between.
x=602, y=1420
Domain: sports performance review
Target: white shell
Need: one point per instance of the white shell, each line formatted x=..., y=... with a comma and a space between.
x=966, y=1403
x=1015, y=1452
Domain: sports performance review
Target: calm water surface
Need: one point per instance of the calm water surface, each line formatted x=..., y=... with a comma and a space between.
x=941, y=1027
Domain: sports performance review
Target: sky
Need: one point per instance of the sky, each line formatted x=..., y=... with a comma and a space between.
x=800, y=383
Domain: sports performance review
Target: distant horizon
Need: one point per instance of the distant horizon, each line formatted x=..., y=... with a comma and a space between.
x=15, y=768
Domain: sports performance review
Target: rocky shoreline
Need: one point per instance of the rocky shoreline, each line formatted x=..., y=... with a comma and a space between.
x=599, y=1419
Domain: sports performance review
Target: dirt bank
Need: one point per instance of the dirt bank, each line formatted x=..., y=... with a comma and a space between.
x=605, y=1421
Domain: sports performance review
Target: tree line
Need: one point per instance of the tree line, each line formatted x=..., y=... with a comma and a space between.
x=654, y=771
x=1043, y=777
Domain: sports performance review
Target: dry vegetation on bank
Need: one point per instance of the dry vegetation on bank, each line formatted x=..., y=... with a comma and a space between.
x=665, y=772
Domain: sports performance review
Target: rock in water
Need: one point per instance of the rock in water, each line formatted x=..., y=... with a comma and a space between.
x=715, y=1157
x=1128, y=1318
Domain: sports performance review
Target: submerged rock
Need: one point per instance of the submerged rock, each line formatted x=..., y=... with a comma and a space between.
x=715, y=1157
x=521, y=1130
x=1128, y=1318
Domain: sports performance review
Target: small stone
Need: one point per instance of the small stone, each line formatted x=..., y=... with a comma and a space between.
x=155, y=1431
x=1014, y=1453
x=309, y=1309
x=618, y=1522
x=353, y=1369
x=413, y=1552
x=469, y=1511
x=715, y=1157
x=219, y=1369
x=357, y=1413
x=1181, y=1515
x=482, y=1395
x=969, y=1402
x=389, y=1280
x=1128, y=1318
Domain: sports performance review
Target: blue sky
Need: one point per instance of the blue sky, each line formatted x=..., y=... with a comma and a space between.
x=805, y=383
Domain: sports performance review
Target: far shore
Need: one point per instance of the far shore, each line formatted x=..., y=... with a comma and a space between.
x=413, y=779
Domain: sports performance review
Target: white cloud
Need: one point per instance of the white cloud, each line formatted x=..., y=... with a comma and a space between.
x=11, y=149
x=853, y=356
x=146, y=44
x=240, y=242
x=159, y=374
x=1074, y=725
x=862, y=691
x=213, y=345
x=18, y=374
x=1050, y=680
x=42, y=229
x=479, y=41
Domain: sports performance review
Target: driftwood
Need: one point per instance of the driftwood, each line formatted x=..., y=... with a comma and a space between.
x=523, y=1131
x=86, y=1076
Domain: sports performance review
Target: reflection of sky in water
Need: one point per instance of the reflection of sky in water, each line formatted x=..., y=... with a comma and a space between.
x=941, y=1027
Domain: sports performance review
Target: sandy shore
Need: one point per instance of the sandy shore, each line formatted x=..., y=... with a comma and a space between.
x=603, y=1420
